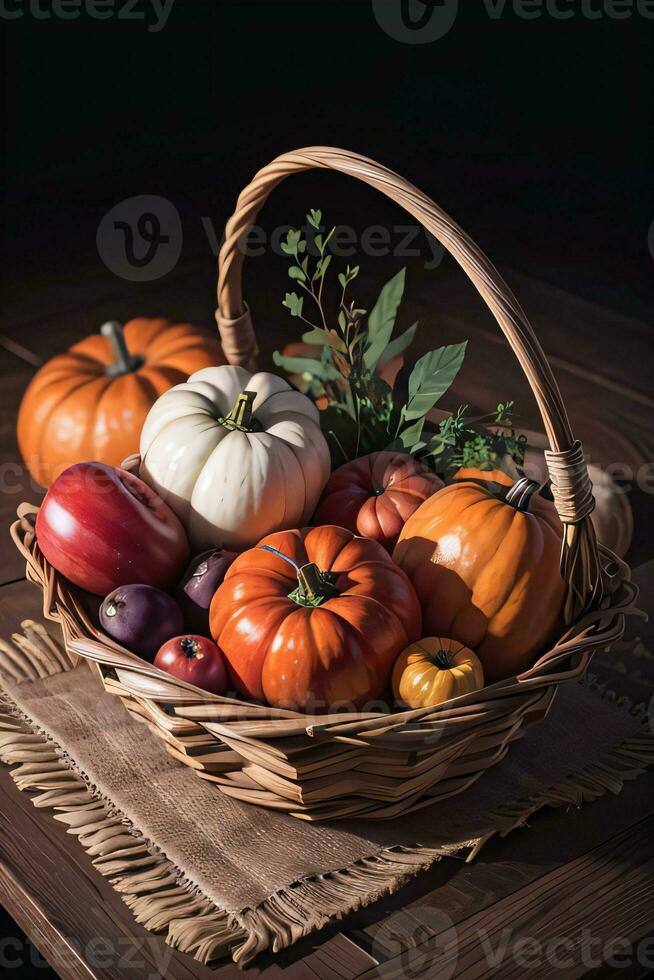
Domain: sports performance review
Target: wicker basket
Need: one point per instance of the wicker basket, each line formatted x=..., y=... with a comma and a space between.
x=372, y=766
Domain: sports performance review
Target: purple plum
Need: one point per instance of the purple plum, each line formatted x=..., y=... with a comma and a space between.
x=141, y=617
x=198, y=585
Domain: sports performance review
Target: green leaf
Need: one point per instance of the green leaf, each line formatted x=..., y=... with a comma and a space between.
x=314, y=218
x=344, y=278
x=295, y=272
x=293, y=242
x=431, y=377
x=329, y=238
x=437, y=444
x=321, y=268
x=294, y=303
x=325, y=371
x=410, y=437
x=382, y=319
x=400, y=344
x=327, y=337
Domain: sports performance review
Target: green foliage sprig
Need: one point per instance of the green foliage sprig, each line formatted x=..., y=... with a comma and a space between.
x=361, y=412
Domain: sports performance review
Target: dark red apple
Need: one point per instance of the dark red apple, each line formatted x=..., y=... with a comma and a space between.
x=102, y=527
x=195, y=659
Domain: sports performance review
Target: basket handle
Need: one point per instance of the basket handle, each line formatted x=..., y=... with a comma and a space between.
x=571, y=486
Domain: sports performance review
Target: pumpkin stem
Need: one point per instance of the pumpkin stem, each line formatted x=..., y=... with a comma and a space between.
x=440, y=658
x=520, y=494
x=313, y=586
x=124, y=362
x=240, y=417
x=443, y=660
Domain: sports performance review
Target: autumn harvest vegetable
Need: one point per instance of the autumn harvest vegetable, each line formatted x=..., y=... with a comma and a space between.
x=235, y=455
x=195, y=660
x=314, y=619
x=91, y=402
x=197, y=586
x=486, y=569
x=434, y=670
x=141, y=618
x=376, y=494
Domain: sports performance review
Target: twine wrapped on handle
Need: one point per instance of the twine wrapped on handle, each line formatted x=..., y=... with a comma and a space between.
x=571, y=486
x=238, y=339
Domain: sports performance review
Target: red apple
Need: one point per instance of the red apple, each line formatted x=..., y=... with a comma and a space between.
x=102, y=527
x=194, y=659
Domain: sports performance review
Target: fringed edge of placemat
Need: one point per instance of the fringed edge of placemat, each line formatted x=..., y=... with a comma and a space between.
x=626, y=761
x=162, y=899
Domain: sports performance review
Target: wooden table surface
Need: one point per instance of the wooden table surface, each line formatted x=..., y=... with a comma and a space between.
x=560, y=897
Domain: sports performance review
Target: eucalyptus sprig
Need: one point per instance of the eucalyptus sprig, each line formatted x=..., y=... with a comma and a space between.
x=362, y=412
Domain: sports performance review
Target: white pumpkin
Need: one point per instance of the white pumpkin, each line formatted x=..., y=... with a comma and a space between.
x=235, y=455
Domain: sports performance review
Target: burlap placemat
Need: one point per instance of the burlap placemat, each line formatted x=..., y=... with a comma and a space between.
x=217, y=876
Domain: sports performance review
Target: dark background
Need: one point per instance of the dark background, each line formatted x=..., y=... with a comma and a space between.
x=535, y=134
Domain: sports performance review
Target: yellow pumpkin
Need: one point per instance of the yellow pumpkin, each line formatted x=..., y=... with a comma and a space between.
x=435, y=670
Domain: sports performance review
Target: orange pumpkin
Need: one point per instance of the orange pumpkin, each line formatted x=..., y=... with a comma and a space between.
x=314, y=619
x=435, y=670
x=91, y=402
x=376, y=494
x=483, y=476
x=486, y=569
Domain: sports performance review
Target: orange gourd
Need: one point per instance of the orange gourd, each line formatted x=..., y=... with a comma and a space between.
x=314, y=619
x=486, y=570
x=90, y=403
x=435, y=670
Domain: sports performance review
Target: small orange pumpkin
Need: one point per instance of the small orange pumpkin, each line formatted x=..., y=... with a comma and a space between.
x=435, y=670
x=485, y=566
x=374, y=495
x=91, y=402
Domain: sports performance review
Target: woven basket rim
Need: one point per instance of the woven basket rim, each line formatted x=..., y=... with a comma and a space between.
x=567, y=659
